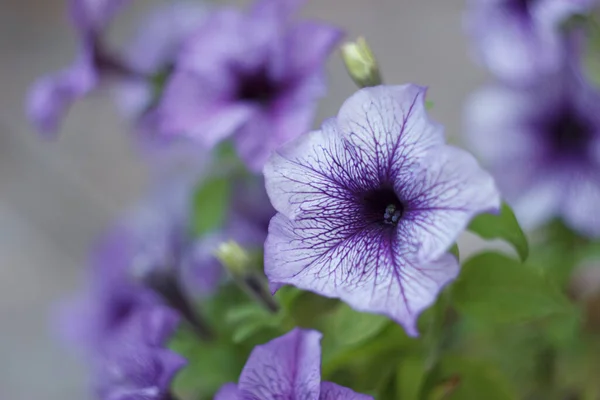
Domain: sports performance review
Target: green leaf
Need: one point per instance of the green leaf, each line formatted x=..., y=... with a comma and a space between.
x=410, y=378
x=493, y=288
x=347, y=327
x=210, y=365
x=502, y=226
x=308, y=309
x=591, y=55
x=211, y=203
x=250, y=319
x=428, y=104
x=459, y=378
x=455, y=251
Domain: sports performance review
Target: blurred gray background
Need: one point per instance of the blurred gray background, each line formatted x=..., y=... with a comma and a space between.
x=56, y=196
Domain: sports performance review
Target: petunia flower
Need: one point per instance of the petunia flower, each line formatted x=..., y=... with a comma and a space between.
x=51, y=96
x=369, y=205
x=288, y=367
x=152, y=53
x=121, y=328
x=252, y=76
x=135, y=364
x=521, y=41
x=138, y=72
x=543, y=147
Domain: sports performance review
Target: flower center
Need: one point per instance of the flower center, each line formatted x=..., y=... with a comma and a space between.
x=257, y=87
x=121, y=309
x=383, y=206
x=570, y=134
x=521, y=5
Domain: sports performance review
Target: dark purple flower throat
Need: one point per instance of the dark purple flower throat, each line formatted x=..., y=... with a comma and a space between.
x=382, y=206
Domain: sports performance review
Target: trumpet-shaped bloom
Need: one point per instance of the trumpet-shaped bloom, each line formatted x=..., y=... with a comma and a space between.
x=370, y=205
x=254, y=76
x=543, y=147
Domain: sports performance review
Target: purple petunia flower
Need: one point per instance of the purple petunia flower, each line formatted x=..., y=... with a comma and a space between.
x=543, y=147
x=139, y=71
x=285, y=368
x=370, y=204
x=153, y=54
x=122, y=328
x=521, y=40
x=51, y=96
x=255, y=76
x=135, y=364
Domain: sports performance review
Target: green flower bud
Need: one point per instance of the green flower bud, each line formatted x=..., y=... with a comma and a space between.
x=234, y=258
x=360, y=63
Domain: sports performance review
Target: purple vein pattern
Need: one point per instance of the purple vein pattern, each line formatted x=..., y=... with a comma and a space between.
x=288, y=367
x=369, y=205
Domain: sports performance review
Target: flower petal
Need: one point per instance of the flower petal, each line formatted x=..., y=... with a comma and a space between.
x=198, y=111
x=51, y=96
x=331, y=391
x=389, y=127
x=314, y=173
x=442, y=196
x=286, y=367
x=308, y=45
x=367, y=268
x=580, y=208
x=229, y=391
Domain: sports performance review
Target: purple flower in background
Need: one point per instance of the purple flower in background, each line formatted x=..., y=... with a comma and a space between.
x=122, y=328
x=543, y=147
x=150, y=257
x=255, y=76
x=135, y=364
x=153, y=54
x=51, y=96
x=91, y=17
x=370, y=204
x=521, y=40
x=288, y=367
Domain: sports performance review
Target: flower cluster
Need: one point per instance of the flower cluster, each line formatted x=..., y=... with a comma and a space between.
x=350, y=233
x=538, y=126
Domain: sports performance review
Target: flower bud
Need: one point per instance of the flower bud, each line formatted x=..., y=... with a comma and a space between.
x=234, y=258
x=360, y=63
x=238, y=263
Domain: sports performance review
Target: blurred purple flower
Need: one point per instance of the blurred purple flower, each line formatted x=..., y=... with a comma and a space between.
x=255, y=76
x=543, y=147
x=51, y=96
x=136, y=364
x=91, y=17
x=521, y=41
x=288, y=367
x=370, y=204
x=153, y=54
x=144, y=273
x=139, y=71
x=122, y=328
